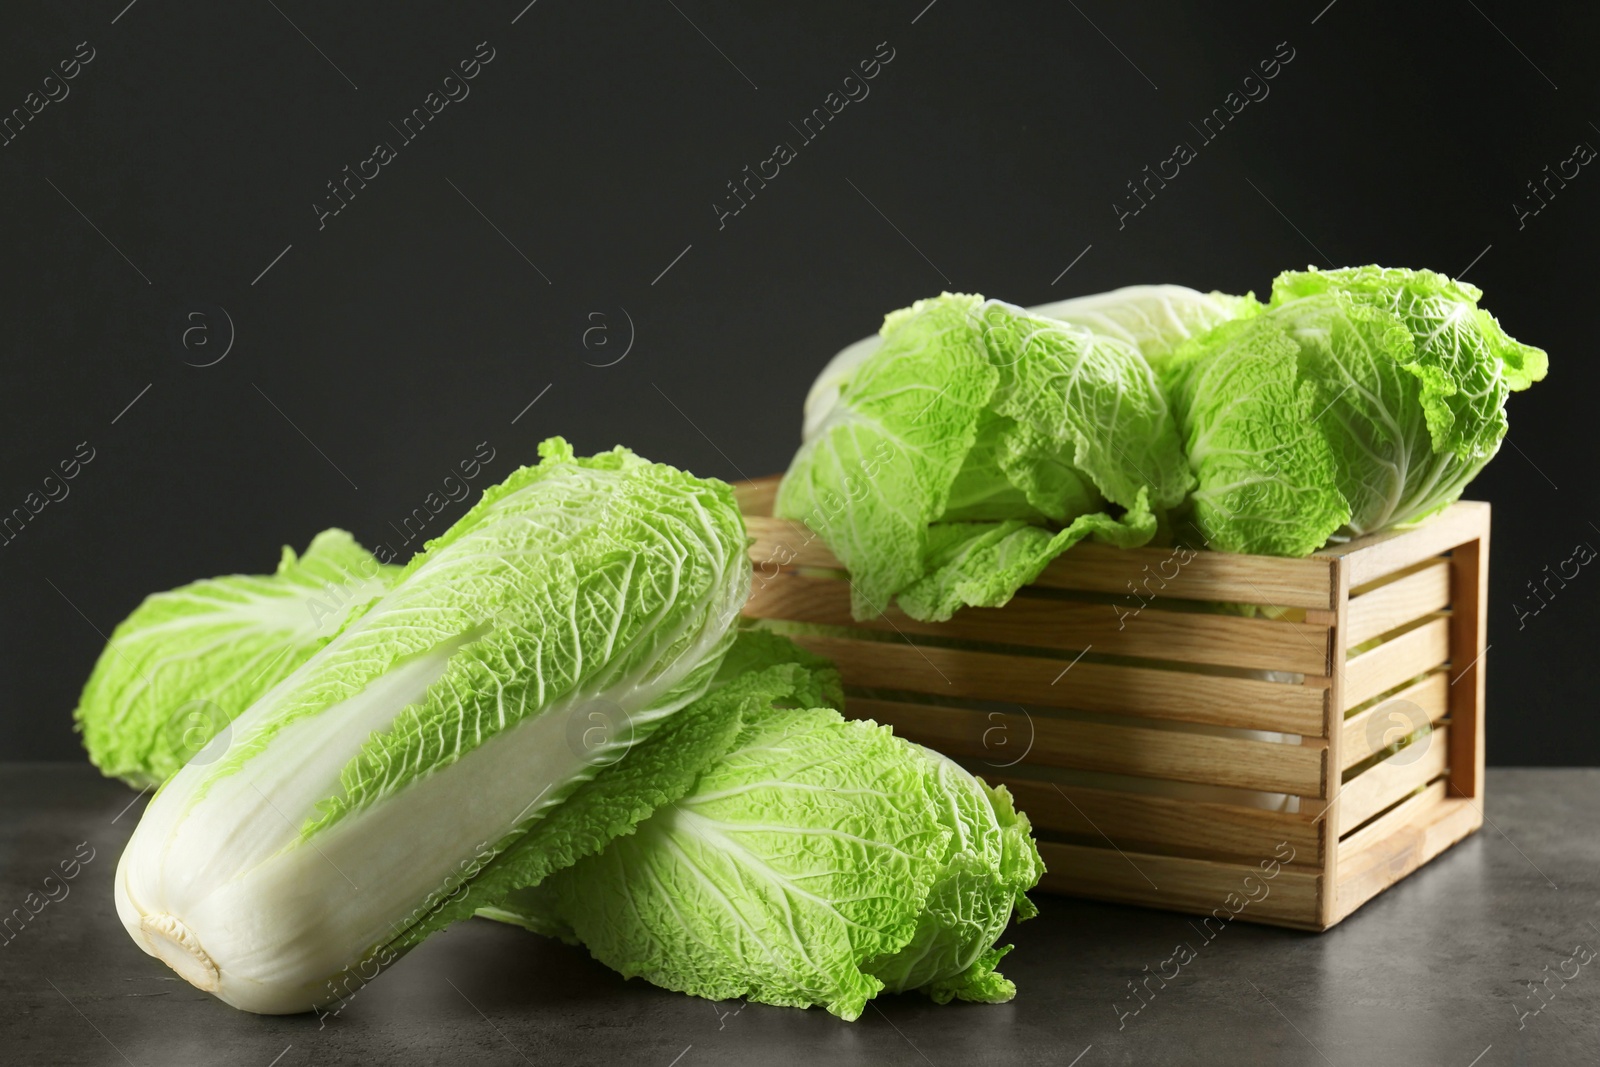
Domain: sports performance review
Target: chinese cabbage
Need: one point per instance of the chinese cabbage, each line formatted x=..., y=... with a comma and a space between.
x=429, y=747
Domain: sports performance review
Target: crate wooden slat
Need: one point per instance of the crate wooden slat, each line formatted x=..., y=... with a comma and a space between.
x=1389, y=606
x=1391, y=780
x=1369, y=558
x=1182, y=883
x=1405, y=657
x=1421, y=703
x=1357, y=843
x=1160, y=694
x=1185, y=636
x=1215, y=576
x=1144, y=821
x=1420, y=829
x=1158, y=735
x=1180, y=757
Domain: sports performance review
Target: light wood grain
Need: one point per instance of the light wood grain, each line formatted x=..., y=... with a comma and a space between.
x=1370, y=731
x=1406, y=844
x=1183, y=757
x=1245, y=703
x=1390, y=606
x=1370, y=558
x=755, y=497
x=1088, y=567
x=780, y=543
x=1179, y=636
x=1395, y=661
x=1200, y=887
x=1217, y=576
x=1357, y=841
x=1158, y=824
x=1388, y=782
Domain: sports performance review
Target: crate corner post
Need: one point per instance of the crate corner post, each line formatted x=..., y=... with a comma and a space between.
x=1328, y=912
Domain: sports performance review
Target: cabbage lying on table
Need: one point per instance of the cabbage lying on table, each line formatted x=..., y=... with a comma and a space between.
x=465, y=735
x=817, y=861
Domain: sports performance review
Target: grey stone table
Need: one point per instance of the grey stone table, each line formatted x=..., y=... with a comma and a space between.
x=1435, y=971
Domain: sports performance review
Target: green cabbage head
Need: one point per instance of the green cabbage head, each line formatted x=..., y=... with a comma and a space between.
x=1360, y=399
x=975, y=444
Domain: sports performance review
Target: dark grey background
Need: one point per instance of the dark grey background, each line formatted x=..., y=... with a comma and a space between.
x=381, y=349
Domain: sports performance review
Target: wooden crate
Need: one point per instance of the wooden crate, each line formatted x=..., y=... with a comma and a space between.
x=1132, y=737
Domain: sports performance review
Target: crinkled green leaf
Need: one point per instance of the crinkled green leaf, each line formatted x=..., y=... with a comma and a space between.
x=656, y=771
x=805, y=851
x=974, y=410
x=881, y=468
x=991, y=864
x=817, y=861
x=1090, y=401
x=761, y=670
x=188, y=661
x=437, y=750
x=1361, y=399
x=815, y=685
x=1267, y=476
x=1463, y=360
x=984, y=564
